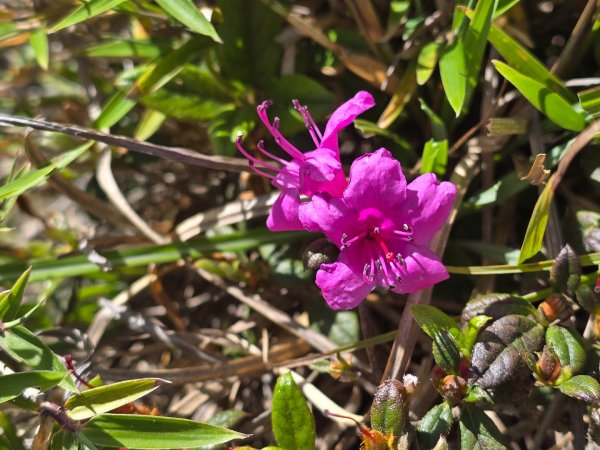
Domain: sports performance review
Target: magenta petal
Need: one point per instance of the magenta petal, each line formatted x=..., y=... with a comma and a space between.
x=328, y=215
x=342, y=286
x=343, y=116
x=284, y=213
x=423, y=269
x=321, y=171
x=428, y=204
x=376, y=181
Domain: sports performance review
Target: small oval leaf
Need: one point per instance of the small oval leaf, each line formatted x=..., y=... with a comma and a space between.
x=15, y=383
x=582, y=387
x=567, y=345
x=436, y=422
x=293, y=422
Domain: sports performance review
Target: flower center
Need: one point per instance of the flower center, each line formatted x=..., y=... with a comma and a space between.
x=383, y=265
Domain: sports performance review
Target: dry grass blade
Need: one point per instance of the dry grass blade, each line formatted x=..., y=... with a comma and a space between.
x=182, y=155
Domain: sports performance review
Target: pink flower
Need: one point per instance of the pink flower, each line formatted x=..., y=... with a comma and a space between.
x=319, y=170
x=382, y=227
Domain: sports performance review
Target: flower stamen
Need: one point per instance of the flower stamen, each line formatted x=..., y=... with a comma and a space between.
x=311, y=126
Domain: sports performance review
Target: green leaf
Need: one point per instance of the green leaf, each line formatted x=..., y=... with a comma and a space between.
x=389, y=411
x=95, y=401
x=293, y=422
x=453, y=71
x=498, y=353
x=503, y=6
x=64, y=440
x=590, y=101
x=166, y=67
x=188, y=14
x=14, y=384
x=431, y=320
x=149, y=124
x=437, y=421
x=10, y=300
x=123, y=48
x=471, y=332
x=147, y=254
x=438, y=129
x=367, y=127
x=184, y=106
x=435, y=157
x=427, y=60
x=250, y=53
x=445, y=334
x=567, y=345
x=524, y=62
x=117, y=106
x=147, y=432
x=10, y=433
x=38, y=176
x=23, y=346
x=478, y=432
x=534, y=236
x=39, y=44
x=89, y=9
x=582, y=387
x=475, y=40
x=556, y=107
x=496, y=305
x=506, y=187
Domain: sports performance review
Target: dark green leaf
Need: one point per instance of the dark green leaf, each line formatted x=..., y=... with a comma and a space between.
x=224, y=128
x=250, y=52
x=478, y=432
x=95, y=401
x=293, y=422
x=436, y=422
x=582, y=387
x=498, y=353
x=89, y=9
x=554, y=106
x=188, y=14
x=148, y=432
x=184, y=106
x=117, y=106
x=503, y=6
x=496, y=305
x=438, y=129
x=567, y=345
x=9, y=431
x=15, y=383
x=566, y=271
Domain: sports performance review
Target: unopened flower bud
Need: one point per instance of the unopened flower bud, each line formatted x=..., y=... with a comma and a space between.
x=453, y=388
x=318, y=252
x=390, y=408
x=556, y=306
x=548, y=366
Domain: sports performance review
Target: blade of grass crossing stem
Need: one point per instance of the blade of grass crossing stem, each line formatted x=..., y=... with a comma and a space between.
x=475, y=40
x=142, y=256
x=189, y=15
x=551, y=104
x=534, y=236
x=86, y=11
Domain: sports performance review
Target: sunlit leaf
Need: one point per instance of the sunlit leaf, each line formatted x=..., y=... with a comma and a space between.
x=89, y=9
x=188, y=14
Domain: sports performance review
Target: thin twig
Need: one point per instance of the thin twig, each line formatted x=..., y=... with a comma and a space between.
x=178, y=154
